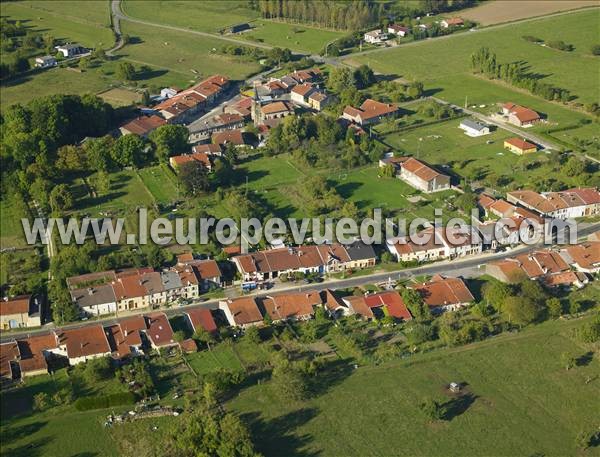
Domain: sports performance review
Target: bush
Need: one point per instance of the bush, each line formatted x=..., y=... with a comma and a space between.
x=532, y=39
x=595, y=49
x=560, y=45
x=104, y=401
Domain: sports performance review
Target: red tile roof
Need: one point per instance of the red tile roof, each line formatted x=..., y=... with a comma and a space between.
x=159, y=329
x=9, y=352
x=234, y=137
x=85, y=341
x=371, y=109
x=144, y=124
x=524, y=115
x=442, y=291
x=207, y=148
x=32, y=352
x=302, y=89
x=421, y=170
x=277, y=107
x=244, y=310
x=521, y=144
x=200, y=157
x=392, y=301
x=15, y=305
x=294, y=305
x=200, y=317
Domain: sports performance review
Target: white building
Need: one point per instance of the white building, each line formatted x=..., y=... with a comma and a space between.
x=473, y=128
x=45, y=62
x=375, y=36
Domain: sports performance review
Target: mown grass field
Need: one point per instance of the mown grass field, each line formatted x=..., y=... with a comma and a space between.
x=439, y=62
x=190, y=56
x=159, y=183
x=206, y=16
x=446, y=145
x=523, y=402
x=295, y=37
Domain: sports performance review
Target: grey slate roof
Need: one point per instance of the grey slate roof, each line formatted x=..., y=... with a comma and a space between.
x=360, y=251
x=94, y=296
x=170, y=280
x=473, y=124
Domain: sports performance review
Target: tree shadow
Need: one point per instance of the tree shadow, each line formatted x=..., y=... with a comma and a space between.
x=34, y=448
x=332, y=374
x=585, y=359
x=16, y=433
x=278, y=436
x=458, y=405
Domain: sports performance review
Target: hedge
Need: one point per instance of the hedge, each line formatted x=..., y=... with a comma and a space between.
x=104, y=401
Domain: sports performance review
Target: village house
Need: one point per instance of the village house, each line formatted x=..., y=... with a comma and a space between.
x=45, y=62
x=242, y=107
x=208, y=272
x=423, y=177
x=474, y=128
x=142, y=125
x=236, y=138
x=209, y=149
x=444, y=294
x=334, y=306
x=300, y=93
x=571, y=203
x=219, y=123
x=318, y=100
x=200, y=157
x=271, y=111
x=159, y=331
x=380, y=304
x=241, y=312
x=201, y=318
x=583, y=257
x=375, y=36
x=452, y=22
x=435, y=244
x=519, y=115
x=519, y=146
x=397, y=29
x=125, y=337
x=71, y=50
x=320, y=259
x=185, y=105
x=82, y=344
x=20, y=311
x=35, y=352
x=291, y=306
x=95, y=300
x=9, y=361
x=370, y=112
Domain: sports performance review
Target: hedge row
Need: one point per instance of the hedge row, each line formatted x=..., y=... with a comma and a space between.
x=104, y=401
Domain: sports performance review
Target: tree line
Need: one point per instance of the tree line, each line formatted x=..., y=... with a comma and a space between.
x=517, y=74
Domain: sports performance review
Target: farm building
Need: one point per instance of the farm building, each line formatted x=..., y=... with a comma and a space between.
x=474, y=128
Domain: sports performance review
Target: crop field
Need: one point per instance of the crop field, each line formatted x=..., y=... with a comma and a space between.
x=190, y=56
x=500, y=11
x=296, y=37
x=120, y=97
x=518, y=389
x=441, y=63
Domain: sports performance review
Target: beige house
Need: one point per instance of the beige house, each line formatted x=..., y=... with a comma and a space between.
x=21, y=311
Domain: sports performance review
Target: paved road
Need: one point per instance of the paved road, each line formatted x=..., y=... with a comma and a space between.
x=503, y=125
x=467, y=267
x=115, y=8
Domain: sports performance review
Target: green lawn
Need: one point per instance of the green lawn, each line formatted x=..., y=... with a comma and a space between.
x=159, y=183
x=190, y=56
x=296, y=37
x=523, y=402
x=441, y=61
x=126, y=193
x=444, y=144
x=221, y=356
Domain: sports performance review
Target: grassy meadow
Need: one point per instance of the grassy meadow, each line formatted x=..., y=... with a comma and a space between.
x=521, y=402
x=439, y=62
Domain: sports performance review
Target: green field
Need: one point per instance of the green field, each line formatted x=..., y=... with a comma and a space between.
x=206, y=16
x=213, y=16
x=295, y=37
x=89, y=25
x=159, y=183
x=523, y=402
x=126, y=193
x=190, y=56
x=437, y=62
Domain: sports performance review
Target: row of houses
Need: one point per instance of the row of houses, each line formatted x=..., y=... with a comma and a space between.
x=24, y=357
x=325, y=258
x=179, y=106
x=114, y=291
x=378, y=36
x=566, y=267
x=34, y=355
x=440, y=294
